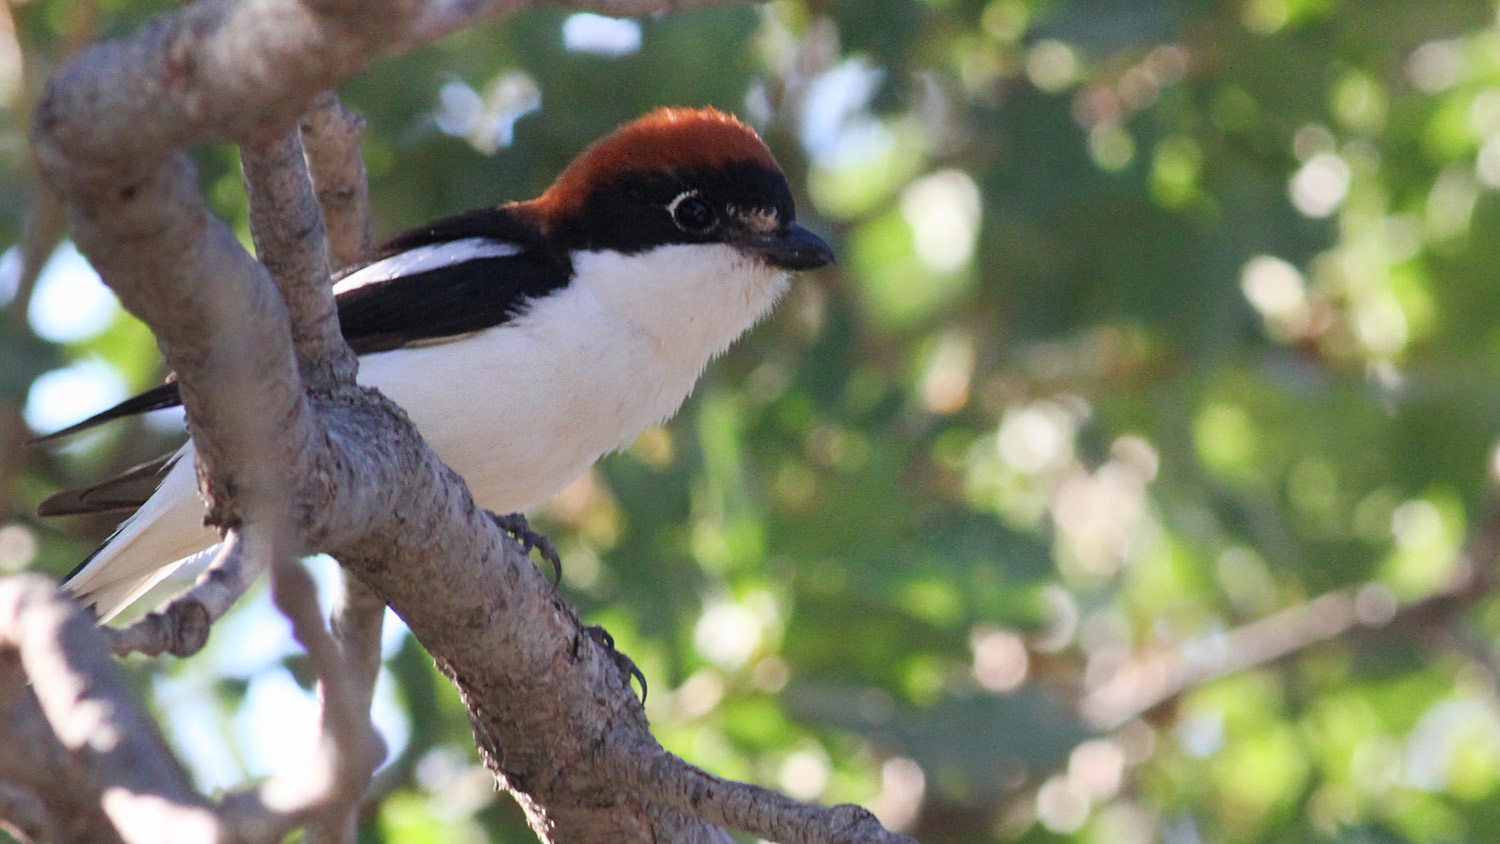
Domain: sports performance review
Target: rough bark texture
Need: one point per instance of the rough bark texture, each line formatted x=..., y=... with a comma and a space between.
x=294, y=458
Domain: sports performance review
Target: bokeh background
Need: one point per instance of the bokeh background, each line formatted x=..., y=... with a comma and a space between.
x=1129, y=480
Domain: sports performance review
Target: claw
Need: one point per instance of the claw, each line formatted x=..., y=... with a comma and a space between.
x=516, y=525
x=622, y=662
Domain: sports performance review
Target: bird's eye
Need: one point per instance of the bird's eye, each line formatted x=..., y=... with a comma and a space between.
x=692, y=214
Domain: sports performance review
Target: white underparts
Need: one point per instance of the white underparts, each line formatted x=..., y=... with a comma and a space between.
x=518, y=410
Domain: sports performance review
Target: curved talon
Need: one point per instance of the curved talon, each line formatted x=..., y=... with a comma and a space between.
x=639, y=675
x=622, y=662
x=516, y=525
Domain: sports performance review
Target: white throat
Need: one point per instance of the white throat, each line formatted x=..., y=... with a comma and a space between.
x=692, y=300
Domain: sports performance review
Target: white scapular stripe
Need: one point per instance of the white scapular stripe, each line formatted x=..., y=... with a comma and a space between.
x=424, y=258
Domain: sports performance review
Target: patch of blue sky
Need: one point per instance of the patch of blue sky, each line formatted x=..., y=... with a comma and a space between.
x=63, y=396
x=70, y=303
x=10, y=275
x=833, y=116
x=275, y=725
x=602, y=36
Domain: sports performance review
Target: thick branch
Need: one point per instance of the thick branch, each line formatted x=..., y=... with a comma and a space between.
x=552, y=708
x=217, y=70
x=220, y=323
x=35, y=765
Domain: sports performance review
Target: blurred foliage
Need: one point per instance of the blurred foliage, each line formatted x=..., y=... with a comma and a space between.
x=1152, y=320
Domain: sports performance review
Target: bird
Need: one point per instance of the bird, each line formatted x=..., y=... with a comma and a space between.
x=526, y=340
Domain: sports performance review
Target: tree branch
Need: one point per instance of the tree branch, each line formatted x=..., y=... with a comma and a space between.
x=89, y=711
x=662, y=777
x=23, y=815
x=35, y=767
x=181, y=629
x=358, y=618
x=286, y=222
x=1152, y=680
x=330, y=135
x=217, y=70
x=45, y=227
x=324, y=792
x=293, y=466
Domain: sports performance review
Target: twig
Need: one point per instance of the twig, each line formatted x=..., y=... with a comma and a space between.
x=656, y=774
x=345, y=755
x=181, y=629
x=444, y=17
x=286, y=222
x=23, y=815
x=45, y=227
x=44, y=231
x=1152, y=680
x=358, y=617
x=330, y=136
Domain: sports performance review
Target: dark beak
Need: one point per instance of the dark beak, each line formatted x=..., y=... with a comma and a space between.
x=792, y=248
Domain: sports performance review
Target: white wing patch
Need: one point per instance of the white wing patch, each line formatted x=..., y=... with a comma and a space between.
x=424, y=258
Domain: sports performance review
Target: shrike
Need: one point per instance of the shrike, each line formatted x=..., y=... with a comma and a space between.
x=524, y=341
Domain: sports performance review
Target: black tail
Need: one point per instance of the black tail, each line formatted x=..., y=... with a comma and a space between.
x=156, y=398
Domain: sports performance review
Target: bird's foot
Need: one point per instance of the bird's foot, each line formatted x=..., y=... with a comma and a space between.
x=622, y=662
x=516, y=525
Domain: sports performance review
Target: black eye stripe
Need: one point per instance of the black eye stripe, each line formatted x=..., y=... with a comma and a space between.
x=634, y=212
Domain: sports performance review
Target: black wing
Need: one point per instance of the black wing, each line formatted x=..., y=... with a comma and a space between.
x=443, y=302
x=502, y=224
x=446, y=302
x=457, y=298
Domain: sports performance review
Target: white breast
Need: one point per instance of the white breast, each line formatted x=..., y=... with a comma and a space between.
x=523, y=409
